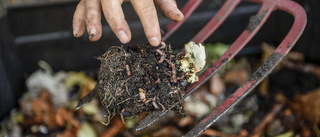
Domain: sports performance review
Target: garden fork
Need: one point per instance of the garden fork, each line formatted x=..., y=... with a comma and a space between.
x=255, y=23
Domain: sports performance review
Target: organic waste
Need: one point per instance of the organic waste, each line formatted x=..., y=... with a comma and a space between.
x=142, y=78
x=285, y=104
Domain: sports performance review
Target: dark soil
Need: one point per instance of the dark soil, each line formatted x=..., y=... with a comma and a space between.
x=292, y=83
x=132, y=79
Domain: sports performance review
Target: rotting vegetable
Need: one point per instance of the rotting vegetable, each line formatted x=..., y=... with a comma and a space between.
x=142, y=78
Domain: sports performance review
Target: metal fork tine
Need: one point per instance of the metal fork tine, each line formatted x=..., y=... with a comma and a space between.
x=216, y=21
x=299, y=24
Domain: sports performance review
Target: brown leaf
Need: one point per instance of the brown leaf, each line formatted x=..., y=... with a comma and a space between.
x=264, y=87
x=213, y=132
x=243, y=133
x=295, y=56
x=117, y=127
x=217, y=85
x=307, y=106
x=66, y=133
x=185, y=121
x=306, y=132
x=267, y=51
x=167, y=131
x=39, y=110
x=239, y=73
x=237, y=76
x=60, y=120
x=63, y=115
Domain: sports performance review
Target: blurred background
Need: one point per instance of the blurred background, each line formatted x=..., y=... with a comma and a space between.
x=37, y=35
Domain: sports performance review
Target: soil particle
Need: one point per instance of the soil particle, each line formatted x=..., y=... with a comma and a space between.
x=132, y=78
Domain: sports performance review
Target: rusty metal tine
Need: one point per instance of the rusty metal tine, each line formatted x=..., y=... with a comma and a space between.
x=299, y=24
x=210, y=27
x=187, y=10
x=216, y=21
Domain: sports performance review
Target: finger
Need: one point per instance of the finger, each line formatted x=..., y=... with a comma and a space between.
x=114, y=15
x=79, y=20
x=149, y=19
x=93, y=19
x=170, y=9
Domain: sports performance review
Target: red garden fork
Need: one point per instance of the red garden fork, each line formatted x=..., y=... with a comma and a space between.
x=268, y=6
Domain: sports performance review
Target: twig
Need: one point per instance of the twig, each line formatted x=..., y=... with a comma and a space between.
x=121, y=115
x=267, y=119
x=128, y=70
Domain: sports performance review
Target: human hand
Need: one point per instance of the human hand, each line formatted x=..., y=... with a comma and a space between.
x=88, y=16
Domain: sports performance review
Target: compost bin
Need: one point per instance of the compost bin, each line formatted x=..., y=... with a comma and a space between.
x=44, y=32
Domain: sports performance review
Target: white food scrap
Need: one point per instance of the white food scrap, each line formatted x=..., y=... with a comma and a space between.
x=193, y=61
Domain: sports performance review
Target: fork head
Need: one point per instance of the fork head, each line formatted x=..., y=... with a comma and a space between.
x=255, y=23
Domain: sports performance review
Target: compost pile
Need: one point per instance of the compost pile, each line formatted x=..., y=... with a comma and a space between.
x=139, y=78
x=285, y=104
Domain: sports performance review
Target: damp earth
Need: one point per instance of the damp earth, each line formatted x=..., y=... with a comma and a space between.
x=139, y=78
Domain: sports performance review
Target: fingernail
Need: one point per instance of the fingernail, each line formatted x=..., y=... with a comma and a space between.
x=75, y=32
x=123, y=37
x=180, y=15
x=154, y=41
x=180, y=12
x=92, y=32
x=91, y=36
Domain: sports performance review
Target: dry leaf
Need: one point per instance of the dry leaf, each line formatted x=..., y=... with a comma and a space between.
x=167, y=131
x=117, y=127
x=217, y=85
x=66, y=133
x=213, y=132
x=63, y=115
x=39, y=110
x=237, y=77
x=307, y=106
x=239, y=73
x=185, y=121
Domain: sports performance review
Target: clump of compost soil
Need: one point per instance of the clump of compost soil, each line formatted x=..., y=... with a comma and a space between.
x=139, y=78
